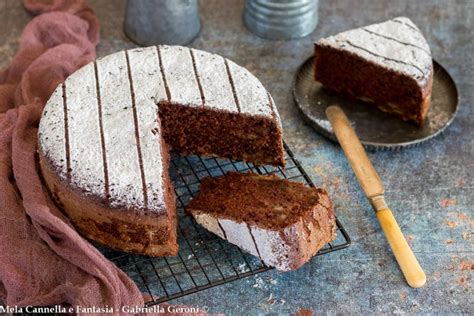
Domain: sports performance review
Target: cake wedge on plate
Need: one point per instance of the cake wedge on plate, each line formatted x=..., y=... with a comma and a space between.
x=387, y=64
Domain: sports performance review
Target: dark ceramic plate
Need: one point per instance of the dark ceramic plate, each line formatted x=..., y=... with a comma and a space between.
x=376, y=129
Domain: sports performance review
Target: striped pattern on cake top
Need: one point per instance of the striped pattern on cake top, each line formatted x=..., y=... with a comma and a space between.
x=100, y=129
x=87, y=150
x=396, y=44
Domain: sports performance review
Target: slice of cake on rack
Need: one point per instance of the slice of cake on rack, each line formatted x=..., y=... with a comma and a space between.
x=283, y=223
x=388, y=64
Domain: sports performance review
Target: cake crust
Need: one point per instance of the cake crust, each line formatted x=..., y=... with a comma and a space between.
x=120, y=229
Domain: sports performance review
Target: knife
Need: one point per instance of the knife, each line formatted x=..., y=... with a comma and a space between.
x=374, y=190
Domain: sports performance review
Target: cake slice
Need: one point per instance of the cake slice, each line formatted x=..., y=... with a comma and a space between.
x=283, y=223
x=388, y=64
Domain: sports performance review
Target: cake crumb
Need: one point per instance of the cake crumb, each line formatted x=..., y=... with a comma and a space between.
x=267, y=302
x=260, y=284
x=271, y=300
x=462, y=280
x=465, y=265
x=448, y=202
x=460, y=183
x=449, y=241
x=451, y=224
x=462, y=216
x=403, y=295
x=304, y=312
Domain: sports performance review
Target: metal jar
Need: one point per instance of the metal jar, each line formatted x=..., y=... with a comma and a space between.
x=281, y=19
x=151, y=22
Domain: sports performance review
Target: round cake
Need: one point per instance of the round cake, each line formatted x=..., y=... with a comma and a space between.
x=106, y=133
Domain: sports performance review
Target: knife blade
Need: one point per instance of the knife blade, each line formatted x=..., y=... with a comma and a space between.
x=373, y=188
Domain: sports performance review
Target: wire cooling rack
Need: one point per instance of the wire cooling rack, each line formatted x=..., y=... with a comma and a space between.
x=204, y=260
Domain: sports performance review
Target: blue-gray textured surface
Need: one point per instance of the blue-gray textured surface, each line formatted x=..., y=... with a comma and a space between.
x=430, y=188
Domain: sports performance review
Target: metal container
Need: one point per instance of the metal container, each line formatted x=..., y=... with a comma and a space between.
x=151, y=22
x=281, y=19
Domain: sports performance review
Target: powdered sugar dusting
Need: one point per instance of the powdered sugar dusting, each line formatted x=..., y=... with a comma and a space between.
x=285, y=250
x=243, y=267
x=210, y=223
x=253, y=97
x=119, y=132
x=396, y=30
x=396, y=44
x=87, y=170
x=271, y=248
x=149, y=87
x=51, y=132
x=214, y=80
x=239, y=234
x=274, y=251
x=180, y=75
x=274, y=109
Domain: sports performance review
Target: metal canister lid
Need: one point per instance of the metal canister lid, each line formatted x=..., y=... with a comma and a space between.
x=281, y=19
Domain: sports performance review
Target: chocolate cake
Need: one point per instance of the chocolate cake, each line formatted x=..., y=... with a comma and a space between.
x=106, y=132
x=284, y=223
x=388, y=64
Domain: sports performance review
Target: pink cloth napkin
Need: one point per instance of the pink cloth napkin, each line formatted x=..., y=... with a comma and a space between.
x=43, y=260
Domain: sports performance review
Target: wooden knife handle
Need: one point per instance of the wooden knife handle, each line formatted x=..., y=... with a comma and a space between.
x=355, y=153
x=373, y=188
x=406, y=259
